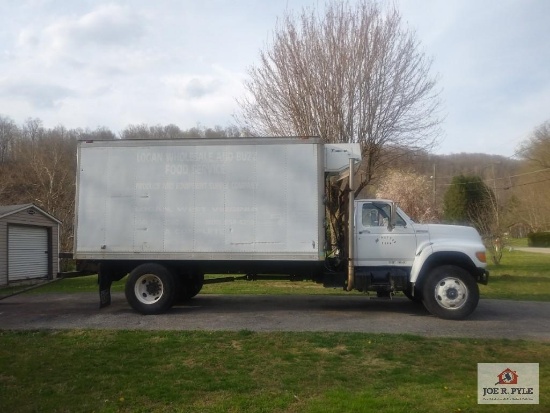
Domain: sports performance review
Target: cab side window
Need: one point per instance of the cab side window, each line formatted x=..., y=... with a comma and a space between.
x=375, y=216
x=378, y=215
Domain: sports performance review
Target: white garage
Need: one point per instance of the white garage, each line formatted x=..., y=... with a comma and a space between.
x=29, y=245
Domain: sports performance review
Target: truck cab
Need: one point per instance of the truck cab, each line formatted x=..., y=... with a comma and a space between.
x=439, y=265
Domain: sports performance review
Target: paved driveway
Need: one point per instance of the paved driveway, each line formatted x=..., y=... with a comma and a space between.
x=534, y=249
x=492, y=319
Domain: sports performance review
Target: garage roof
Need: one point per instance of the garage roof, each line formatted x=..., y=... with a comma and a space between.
x=6, y=210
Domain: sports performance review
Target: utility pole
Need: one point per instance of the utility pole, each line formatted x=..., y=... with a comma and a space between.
x=434, y=188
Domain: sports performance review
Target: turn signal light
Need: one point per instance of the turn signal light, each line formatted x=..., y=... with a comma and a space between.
x=481, y=256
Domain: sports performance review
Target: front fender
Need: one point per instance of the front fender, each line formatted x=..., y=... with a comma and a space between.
x=436, y=254
x=423, y=252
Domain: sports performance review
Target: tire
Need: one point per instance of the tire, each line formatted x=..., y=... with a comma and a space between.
x=189, y=286
x=450, y=292
x=150, y=289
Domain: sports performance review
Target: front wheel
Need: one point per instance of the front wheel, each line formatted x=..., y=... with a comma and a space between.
x=450, y=292
x=150, y=289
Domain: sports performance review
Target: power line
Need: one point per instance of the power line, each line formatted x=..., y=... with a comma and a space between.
x=528, y=173
x=527, y=183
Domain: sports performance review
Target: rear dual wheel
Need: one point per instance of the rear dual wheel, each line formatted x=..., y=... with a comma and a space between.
x=189, y=286
x=150, y=289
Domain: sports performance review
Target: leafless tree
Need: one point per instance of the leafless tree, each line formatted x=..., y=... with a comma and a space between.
x=487, y=216
x=356, y=74
x=531, y=185
x=33, y=131
x=172, y=131
x=8, y=133
x=100, y=133
x=353, y=74
x=45, y=176
x=536, y=150
x=140, y=131
x=413, y=193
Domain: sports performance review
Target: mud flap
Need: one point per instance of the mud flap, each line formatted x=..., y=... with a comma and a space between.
x=106, y=274
x=104, y=280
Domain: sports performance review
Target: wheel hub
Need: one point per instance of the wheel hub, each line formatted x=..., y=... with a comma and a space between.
x=152, y=287
x=451, y=293
x=149, y=288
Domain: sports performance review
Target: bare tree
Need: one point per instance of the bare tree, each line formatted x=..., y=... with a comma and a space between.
x=531, y=185
x=33, y=129
x=355, y=74
x=536, y=150
x=412, y=192
x=172, y=131
x=140, y=131
x=101, y=133
x=491, y=218
x=8, y=133
x=45, y=176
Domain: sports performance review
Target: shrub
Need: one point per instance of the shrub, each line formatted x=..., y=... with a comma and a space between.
x=538, y=239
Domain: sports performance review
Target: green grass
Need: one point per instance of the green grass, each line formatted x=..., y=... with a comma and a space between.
x=520, y=276
x=516, y=242
x=135, y=371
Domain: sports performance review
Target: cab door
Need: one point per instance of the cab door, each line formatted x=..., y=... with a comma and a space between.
x=375, y=243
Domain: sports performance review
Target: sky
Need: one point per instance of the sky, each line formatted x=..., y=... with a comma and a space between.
x=95, y=63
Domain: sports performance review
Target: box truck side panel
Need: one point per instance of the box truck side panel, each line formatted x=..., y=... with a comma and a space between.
x=195, y=200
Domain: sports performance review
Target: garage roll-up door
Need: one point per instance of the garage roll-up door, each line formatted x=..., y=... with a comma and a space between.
x=27, y=252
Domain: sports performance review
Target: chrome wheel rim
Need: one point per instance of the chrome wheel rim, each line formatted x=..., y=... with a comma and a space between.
x=451, y=293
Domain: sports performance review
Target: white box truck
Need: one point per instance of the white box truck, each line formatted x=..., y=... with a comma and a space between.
x=167, y=212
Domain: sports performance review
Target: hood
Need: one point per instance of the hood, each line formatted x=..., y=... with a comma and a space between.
x=440, y=231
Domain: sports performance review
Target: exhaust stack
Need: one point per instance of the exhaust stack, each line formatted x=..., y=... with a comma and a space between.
x=351, y=199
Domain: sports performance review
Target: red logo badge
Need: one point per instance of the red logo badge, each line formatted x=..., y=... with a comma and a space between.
x=507, y=377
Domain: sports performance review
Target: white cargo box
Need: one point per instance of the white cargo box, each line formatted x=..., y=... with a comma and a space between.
x=201, y=199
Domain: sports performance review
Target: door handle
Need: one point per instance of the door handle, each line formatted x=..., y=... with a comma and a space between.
x=365, y=231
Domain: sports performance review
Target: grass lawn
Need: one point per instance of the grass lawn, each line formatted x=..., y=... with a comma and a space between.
x=521, y=276
x=135, y=371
